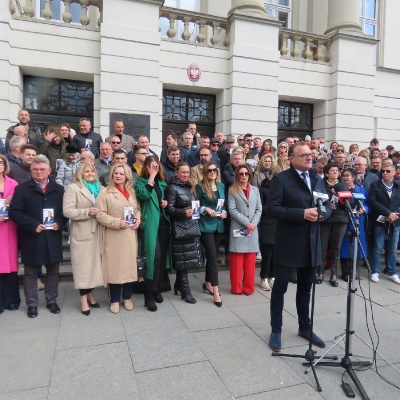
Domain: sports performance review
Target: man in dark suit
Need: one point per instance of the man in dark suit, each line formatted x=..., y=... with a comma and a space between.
x=291, y=203
x=39, y=245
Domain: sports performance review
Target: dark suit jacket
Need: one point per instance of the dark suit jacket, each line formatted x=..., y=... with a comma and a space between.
x=48, y=220
x=381, y=204
x=26, y=210
x=297, y=241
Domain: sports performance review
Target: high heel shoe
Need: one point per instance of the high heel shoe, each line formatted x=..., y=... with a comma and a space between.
x=218, y=303
x=93, y=305
x=206, y=288
x=87, y=312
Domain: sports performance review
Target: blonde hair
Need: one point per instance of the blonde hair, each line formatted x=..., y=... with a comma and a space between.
x=282, y=162
x=205, y=182
x=78, y=177
x=366, y=154
x=260, y=165
x=235, y=188
x=128, y=179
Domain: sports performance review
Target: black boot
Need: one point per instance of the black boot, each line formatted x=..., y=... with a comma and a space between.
x=185, y=292
x=158, y=296
x=149, y=301
x=177, y=284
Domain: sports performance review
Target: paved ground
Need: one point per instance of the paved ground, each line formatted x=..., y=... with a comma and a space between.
x=188, y=351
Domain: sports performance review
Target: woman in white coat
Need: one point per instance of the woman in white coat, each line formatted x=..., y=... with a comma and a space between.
x=245, y=208
x=79, y=207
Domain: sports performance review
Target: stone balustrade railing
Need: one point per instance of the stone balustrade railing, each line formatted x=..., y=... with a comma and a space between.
x=25, y=8
x=208, y=28
x=304, y=46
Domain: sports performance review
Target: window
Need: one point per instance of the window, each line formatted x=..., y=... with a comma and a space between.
x=294, y=119
x=281, y=9
x=188, y=5
x=368, y=17
x=57, y=8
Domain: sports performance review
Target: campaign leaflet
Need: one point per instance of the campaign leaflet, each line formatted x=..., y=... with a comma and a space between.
x=88, y=144
x=237, y=233
x=196, y=209
x=129, y=216
x=220, y=204
x=3, y=209
x=48, y=218
x=58, y=163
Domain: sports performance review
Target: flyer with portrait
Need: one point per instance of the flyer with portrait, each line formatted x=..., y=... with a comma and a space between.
x=220, y=204
x=3, y=209
x=196, y=209
x=88, y=144
x=237, y=233
x=129, y=216
x=48, y=218
x=58, y=163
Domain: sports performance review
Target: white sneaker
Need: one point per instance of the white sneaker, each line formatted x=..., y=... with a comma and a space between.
x=375, y=277
x=264, y=284
x=258, y=256
x=395, y=278
x=40, y=285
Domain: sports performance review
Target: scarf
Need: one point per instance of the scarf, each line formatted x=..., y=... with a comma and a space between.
x=124, y=192
x=93, y=187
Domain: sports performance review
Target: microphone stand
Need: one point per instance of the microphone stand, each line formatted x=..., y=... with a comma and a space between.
x=309, y=356
x=346, y=361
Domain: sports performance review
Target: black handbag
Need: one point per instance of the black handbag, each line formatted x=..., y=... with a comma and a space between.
x=185, y=229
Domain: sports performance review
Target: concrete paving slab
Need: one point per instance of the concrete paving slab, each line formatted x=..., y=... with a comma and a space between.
x=197, y=381
x=243, y=361
x=298, y=392
x=96, y=372
x=160, y=340
x=33, y=394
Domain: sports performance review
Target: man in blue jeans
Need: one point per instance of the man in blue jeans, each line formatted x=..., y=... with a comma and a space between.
x=384, y=200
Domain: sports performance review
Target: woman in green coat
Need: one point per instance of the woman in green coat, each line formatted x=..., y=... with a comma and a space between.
x=212, y=213
x=150, y=187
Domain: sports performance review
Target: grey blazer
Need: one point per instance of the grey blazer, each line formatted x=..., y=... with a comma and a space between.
x=243, y=211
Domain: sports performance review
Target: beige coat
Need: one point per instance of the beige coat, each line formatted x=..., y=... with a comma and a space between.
x=85, y=238
x=119, y=246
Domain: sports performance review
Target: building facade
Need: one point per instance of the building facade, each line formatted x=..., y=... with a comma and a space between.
x=274, y=68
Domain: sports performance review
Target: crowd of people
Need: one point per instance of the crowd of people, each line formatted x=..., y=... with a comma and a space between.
x=119, y=201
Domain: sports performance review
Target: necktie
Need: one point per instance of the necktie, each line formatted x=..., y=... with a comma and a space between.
x=304, y=176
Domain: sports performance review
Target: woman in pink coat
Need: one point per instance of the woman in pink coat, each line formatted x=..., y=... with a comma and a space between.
x=9, y=288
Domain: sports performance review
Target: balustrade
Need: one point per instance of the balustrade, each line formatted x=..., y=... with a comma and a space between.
x=304, y=46
x=24, y=8
x=193, y=27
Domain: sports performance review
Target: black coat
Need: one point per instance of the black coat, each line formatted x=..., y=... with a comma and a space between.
x=381, y=204
x=267, y=225
x=339, y=214
x=297, y=241
x=26, y=210
x=186, y=254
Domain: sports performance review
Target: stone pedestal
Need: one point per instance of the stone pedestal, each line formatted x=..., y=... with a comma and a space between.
x=343, y=14
x=254, y=7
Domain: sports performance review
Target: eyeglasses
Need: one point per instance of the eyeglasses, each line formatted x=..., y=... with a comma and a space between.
x=358, y=165
x=296, y=141
x=283, y=147
x=243, y=174
x=212, y=170
x=339, y=151
x=387, y=171
x=215, y=144
x=115, y=142
x=39, y=169
x=249, y=140
x=305, y=155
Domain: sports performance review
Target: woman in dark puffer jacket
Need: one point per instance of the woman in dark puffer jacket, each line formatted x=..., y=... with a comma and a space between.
x=186, y=250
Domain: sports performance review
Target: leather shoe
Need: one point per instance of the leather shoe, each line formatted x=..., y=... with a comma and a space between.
x=32, y=312
x=54, y=309
x=315, y=340
x=275, y=342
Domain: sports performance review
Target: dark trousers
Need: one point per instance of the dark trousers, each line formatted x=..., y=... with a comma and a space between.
x=331, y=238
x=9, y=290
x=211, y=243
x=305, y=277
x=50, y=285
x=160, y=273
x=267, y=264
x=114, y=291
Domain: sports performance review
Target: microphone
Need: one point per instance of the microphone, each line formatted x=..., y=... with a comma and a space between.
x=358, y=197
x=319, y=198
x=344, y=194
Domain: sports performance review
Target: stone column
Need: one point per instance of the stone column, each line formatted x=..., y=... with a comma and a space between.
x=130, y=63
x=252, y=93
x=255, y=7
x=343, y=14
